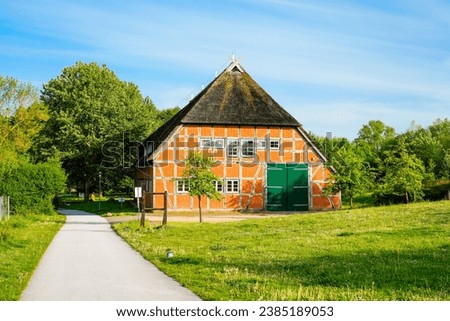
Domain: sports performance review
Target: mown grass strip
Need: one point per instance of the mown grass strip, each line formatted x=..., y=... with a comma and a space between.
x=23, y=241
x=385, y=253
x=106, y=206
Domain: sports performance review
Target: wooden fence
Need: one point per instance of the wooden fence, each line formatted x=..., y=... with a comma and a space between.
x=147, y=206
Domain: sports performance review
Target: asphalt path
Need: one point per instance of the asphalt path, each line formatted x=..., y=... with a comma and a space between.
x=87, y=261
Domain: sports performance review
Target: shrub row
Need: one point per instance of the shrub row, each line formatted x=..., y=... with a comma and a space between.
x=31, y=187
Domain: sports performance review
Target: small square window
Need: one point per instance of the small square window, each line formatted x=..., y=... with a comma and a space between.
x=182, y=186
x=261, y=144
x=274, y=144
x=219, y=186
x=232, y=147
x=233, y=186
x=248, y=148
x=218, y=143
x=205, y=143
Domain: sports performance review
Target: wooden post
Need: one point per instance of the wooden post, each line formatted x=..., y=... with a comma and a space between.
x=143, y=200
x=164, y=222
x=143, y=217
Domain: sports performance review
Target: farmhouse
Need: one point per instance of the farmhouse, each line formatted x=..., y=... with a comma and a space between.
x=263, y=155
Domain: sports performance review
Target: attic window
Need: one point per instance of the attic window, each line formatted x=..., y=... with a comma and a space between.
x=261, y=144
x=232, y=147
x=205, y=143
x=248, y=148
x=218, y=143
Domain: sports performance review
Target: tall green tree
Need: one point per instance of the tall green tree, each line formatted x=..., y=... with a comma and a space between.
x=427, y=148
x=22, y=115
x=165, y=114
x=14, y=94
x=372, y=137
x=402, y=174
x=440, y=130
x=200, y=179
x=353, y=176
x=94, y=120
x=30, y=186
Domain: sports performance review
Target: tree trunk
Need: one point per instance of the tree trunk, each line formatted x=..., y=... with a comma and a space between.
x=200, y=208
x=86, y=189
x=407, y=197
x=351, y=201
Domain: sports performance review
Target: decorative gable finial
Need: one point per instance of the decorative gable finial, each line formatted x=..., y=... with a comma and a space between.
x=234, y=64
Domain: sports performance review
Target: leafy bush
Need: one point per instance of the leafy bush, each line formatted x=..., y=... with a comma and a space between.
x=31, y=186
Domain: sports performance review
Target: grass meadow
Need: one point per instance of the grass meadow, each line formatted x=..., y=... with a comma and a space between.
x=399, y=252
x=23, y=241
x=107, y=205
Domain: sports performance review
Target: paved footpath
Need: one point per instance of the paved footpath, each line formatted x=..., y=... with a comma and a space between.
x=87, y=261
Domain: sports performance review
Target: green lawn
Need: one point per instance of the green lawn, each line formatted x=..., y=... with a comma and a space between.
x=385, y=253
x=107, y=205
x=23, y=241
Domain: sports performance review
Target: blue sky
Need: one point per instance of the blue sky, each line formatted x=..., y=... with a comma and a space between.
x=334, y=65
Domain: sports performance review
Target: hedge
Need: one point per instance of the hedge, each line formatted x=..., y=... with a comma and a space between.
x=31, y=187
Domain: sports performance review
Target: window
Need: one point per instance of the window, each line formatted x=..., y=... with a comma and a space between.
x=182, y=186
x=232, y=147
x=248, y=148
x=261, y=144
x=218, y=143
x=205, y=143
x=232, y=185
x=219, y=186
x=274, y=144
x=148, y=148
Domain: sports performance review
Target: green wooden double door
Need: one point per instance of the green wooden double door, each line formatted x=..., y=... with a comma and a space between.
x=287, y=187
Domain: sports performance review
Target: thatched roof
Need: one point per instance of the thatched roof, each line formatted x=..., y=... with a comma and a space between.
x=232, y=98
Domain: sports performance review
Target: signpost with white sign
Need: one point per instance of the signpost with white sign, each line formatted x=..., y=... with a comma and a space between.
x=138, y=195
x=121, y=201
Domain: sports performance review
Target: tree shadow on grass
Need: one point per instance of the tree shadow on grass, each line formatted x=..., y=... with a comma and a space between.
x=407, y=273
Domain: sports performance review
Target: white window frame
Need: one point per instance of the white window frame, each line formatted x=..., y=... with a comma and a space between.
x=184, y=186
x=235, y=149
x=233, y=185
x=219, y=186
x=274, y=141
x=218, y=143
x=207, y=143
x=261, y=144
x=245, y=150
x=204, y=141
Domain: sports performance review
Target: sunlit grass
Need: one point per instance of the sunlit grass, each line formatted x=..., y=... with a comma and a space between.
x=386, y=253
x=103, y=206
x=23, y=241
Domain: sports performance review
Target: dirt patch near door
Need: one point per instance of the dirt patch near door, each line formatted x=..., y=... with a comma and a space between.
x=193, y=217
